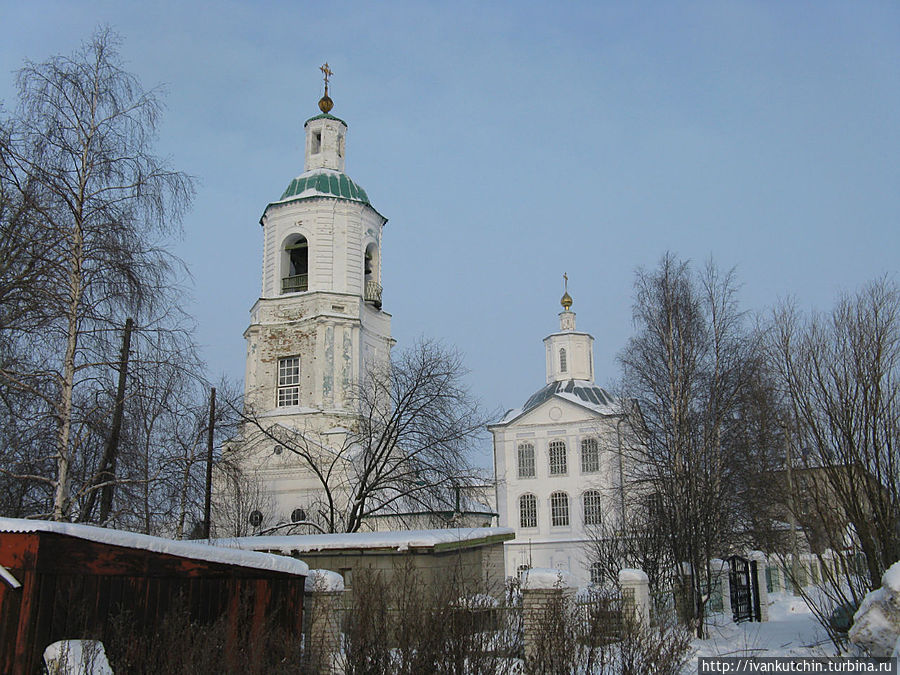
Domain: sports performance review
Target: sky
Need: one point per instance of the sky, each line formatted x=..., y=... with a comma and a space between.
x=508, y=143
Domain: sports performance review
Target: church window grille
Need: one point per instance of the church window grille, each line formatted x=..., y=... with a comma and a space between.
x=526, y=460
x=590, y=455
x=256, y=518
x=591, y=500
x=316, y=143
x=289, y=381
x=559, y=509
x=596, y=573
x=527, y=511
x=557, y=458
x=523, y=568
x=563, y=366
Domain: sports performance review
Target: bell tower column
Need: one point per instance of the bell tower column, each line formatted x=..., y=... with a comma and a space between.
x=570, y=354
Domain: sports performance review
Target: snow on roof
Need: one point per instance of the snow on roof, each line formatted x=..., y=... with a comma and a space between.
x=183, y=549
x=400, y=540
x=581, y=392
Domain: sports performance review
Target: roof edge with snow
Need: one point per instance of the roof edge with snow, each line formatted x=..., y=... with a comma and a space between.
x=182, y=549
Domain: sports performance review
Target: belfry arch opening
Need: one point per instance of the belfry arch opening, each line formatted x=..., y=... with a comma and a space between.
x=295, y=266
x=371, y=285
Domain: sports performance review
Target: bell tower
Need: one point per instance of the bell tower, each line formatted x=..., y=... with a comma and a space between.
x=570, y=353
x=319, y=322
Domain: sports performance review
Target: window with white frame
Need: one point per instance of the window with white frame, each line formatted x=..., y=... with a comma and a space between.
x=557, y=458
x=526, y=460
x=563, y=366
x=527, y=511
x=590, y=455
x=559, y=509
x=289, y=381
x=591, y=501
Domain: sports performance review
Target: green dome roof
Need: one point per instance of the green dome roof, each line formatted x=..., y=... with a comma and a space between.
x=324, y=183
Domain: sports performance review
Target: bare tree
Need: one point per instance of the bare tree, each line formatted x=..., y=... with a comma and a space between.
x=840, y=374
x=77, y=158
x=407, y=449
x=687, y=366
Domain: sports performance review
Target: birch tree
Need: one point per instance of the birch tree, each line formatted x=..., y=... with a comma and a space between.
x=689, y=365
x=78, y=156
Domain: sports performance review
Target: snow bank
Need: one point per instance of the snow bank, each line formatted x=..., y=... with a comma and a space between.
x=324, y=581
x=182, y=549
x=876, y=624
x=538, y=578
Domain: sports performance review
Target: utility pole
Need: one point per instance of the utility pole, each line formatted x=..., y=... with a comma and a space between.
x=209, y=462
x=107, y=475
x=795, y=556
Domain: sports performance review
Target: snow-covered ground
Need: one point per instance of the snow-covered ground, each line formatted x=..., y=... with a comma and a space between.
x=791, y=630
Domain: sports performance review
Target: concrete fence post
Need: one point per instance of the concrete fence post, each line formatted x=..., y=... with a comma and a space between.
x=635, y=594
x=541, y=589
x=322, y=608
x=761, y=563
x=720, y=569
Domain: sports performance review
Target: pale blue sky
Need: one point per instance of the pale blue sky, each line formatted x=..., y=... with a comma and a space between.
x=509, y=142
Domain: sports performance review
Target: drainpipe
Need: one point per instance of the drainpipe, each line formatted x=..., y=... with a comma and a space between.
x=621, y=472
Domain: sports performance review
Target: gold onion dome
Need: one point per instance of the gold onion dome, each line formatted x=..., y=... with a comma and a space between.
x=566, y=301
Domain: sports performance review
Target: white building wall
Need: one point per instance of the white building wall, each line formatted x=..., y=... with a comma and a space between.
x=547, y=545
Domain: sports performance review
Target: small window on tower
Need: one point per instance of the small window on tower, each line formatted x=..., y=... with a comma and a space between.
x=341, y=145
x=316, y=143
x=562, y=361
x=289, y=381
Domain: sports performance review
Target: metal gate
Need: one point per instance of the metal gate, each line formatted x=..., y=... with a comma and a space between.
x=744, y=585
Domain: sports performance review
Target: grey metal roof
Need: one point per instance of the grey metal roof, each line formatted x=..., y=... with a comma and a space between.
x=585, y=391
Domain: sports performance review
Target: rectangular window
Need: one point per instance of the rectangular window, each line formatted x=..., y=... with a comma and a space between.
x=289, y=381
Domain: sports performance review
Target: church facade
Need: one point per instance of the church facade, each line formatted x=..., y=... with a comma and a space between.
x=559, y=461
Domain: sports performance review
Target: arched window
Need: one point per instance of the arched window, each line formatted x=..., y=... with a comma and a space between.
x=256, y=518
x=562, y=360
x=557, y=458
x=372, y=291
x=591, y=501
x=527, y=511
x=590, y=455
x=559, y=509
x=526, y=460
x=296, y=277
x=298, y=515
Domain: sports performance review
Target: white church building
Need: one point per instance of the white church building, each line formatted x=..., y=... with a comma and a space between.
x=559, y=462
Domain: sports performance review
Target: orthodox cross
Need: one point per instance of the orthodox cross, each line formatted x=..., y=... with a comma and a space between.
x=326, y=71
x=565, y=277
